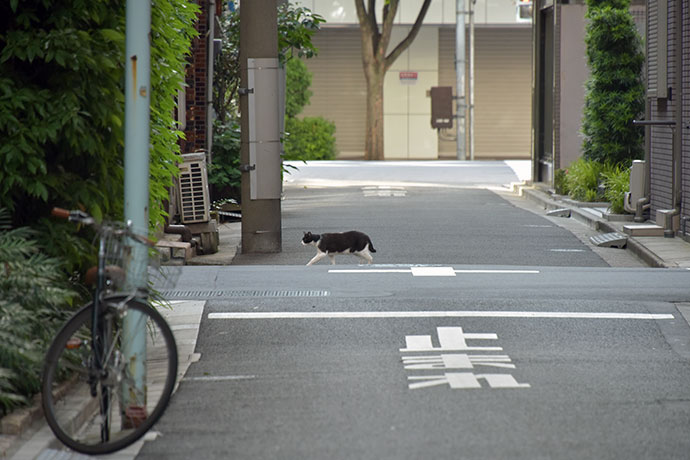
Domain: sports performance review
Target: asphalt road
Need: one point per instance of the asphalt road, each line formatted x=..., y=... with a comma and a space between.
x=483, y=331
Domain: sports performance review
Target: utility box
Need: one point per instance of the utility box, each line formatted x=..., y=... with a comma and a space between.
x=441, y=107
x=264, y=128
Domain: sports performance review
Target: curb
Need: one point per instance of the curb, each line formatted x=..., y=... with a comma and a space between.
x=535, y=194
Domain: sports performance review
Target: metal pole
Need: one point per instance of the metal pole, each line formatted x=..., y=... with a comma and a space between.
x=137, y=110
x=471, y=80
x=460, y=69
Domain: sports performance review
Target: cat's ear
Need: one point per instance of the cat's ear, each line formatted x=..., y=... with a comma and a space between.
x=307, y=233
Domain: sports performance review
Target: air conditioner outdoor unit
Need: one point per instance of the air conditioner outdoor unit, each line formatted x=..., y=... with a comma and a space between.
x=193, y=187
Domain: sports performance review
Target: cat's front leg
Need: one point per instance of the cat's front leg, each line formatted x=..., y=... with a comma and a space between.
x=316, y=258
x=332, y=257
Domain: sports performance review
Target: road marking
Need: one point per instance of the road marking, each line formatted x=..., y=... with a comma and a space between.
x=219, y=378
x=464, y=380
x=431, y=271
x=383, y=190
x=437, y=314
x=567, y=250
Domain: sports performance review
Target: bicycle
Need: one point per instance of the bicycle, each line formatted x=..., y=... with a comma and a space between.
x=110, y=371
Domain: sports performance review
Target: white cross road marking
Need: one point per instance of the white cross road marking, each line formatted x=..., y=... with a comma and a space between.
x=450, y=339
x=437, y=314
x=465, y=380
x=456, y=361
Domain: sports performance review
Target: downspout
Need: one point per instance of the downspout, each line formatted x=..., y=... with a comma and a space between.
x=678, y=115
x=209, y=78
x=644, y=203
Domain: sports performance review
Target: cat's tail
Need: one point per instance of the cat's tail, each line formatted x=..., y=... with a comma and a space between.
x=371, y=246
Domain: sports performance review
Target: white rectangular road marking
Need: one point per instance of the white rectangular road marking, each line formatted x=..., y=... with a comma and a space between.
x=436, y=314
x=432, y=271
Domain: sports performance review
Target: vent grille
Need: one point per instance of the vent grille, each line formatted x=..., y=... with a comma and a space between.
x=216, y=294
x=194, y=200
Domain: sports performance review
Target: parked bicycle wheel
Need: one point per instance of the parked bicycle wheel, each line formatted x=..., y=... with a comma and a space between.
x=100, y=409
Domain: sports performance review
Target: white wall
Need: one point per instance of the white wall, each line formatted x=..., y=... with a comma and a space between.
x=406, y=108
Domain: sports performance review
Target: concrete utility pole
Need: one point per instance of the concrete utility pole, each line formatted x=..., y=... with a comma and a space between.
x=260, y=125
x=137, y=113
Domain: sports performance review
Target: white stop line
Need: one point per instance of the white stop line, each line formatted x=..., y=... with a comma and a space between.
x=436, y=314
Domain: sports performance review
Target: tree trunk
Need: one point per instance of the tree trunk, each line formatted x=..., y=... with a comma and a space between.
x=376, y=63
x=373, y=145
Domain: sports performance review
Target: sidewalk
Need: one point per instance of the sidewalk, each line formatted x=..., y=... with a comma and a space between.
x=655, y=251
x=33, y=439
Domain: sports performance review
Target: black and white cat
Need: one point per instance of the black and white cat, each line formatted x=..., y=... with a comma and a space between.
x=330, y=244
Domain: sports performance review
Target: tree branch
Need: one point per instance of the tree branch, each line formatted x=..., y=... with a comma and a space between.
x=403, y=45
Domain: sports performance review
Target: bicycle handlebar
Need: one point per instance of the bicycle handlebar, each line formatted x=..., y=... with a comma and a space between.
x=82, y=217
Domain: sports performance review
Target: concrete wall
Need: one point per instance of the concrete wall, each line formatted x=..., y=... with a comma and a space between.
x=573, y=75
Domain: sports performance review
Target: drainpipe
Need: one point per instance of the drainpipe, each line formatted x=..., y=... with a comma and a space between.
x=678, y=131
x=644, y=203
x=460, y=69
x=209, y=78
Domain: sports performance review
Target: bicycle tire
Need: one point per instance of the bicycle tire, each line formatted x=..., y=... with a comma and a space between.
x=90, y=415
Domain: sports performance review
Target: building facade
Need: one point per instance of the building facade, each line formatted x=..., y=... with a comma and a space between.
x=503, y=71
x=668, y=100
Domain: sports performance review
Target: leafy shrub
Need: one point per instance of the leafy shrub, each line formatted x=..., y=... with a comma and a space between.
x=559, y=181
x=615, y=91
x=617, y=183
x=582, y=180
x=224, y=173
x=297, y=82
x=312, y=138
x=33, y=297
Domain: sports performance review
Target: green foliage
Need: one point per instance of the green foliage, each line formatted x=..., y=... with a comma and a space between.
x=298, y=81
x=617, y=183
x=615, y=91
x=311, y=138
x=559, y=182
x=172, y=31
x=296, y=26
x=33, y=294
x=62, y=110
x=582, y=179
x=224, y=172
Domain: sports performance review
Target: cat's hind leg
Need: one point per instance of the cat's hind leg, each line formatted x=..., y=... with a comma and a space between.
x=366, y=255
x=332, y=257
x=319, y=255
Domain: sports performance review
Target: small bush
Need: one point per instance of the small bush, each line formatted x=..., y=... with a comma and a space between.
x=559, y=182
x=35, y=298
x=312, y=138
x=224, y=173
x=617, y=183
x=583, y=178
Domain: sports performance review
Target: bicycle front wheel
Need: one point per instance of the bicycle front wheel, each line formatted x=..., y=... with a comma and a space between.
x=98, y=408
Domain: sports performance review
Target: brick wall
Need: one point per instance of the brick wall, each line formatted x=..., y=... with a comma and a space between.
x=196, y=76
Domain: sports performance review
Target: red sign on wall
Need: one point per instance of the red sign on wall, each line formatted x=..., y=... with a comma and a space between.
x=408, y=76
